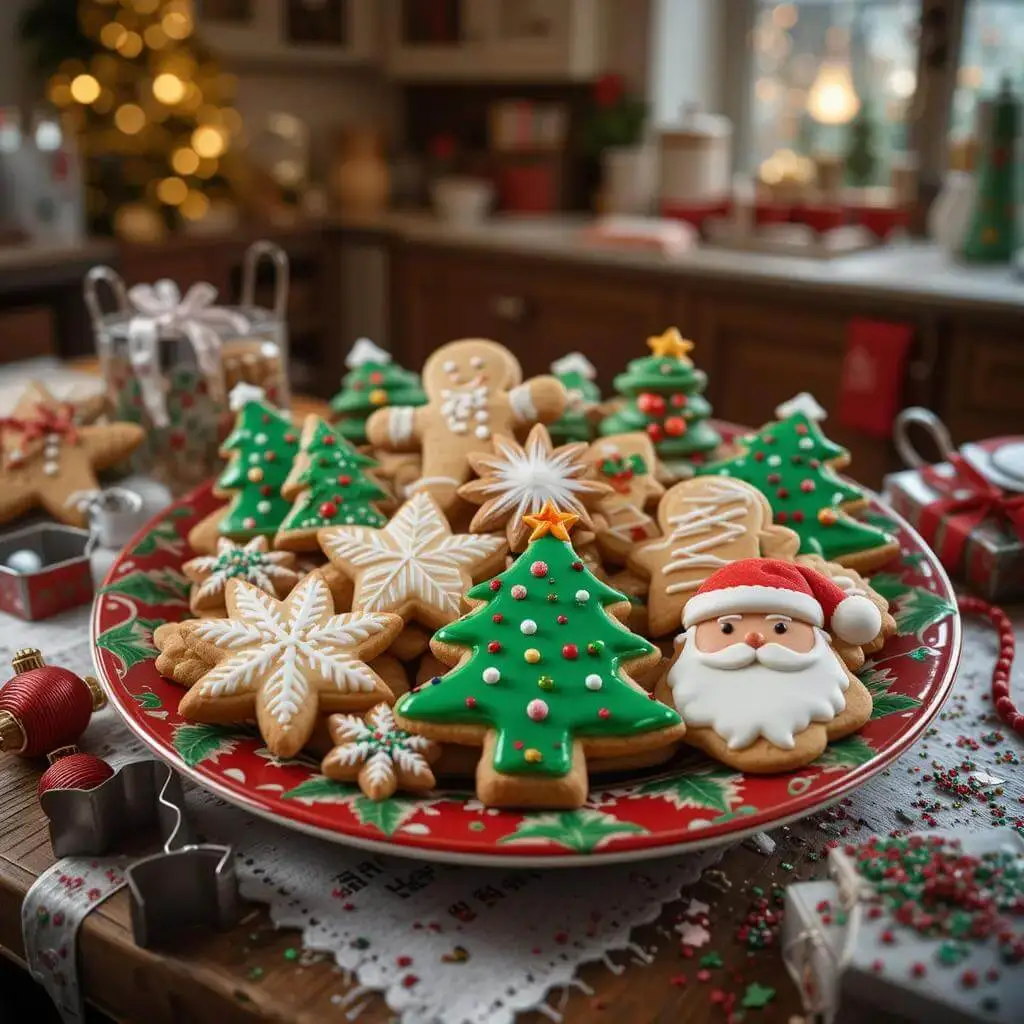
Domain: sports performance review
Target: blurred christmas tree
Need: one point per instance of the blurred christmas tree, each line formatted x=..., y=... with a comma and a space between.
x=862, y=151
x=150, y=108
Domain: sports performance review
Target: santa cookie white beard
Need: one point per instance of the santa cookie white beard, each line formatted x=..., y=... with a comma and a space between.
x=743, y=693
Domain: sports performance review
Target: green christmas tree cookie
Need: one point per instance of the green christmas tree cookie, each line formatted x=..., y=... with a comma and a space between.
x=665, y=398
x=330, y=484
x=577, y=373
x=790, y=462
x=540, y=679
x=262, y=447
x=372, y=383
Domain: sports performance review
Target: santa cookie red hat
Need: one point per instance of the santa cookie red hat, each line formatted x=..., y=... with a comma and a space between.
x=766, y=585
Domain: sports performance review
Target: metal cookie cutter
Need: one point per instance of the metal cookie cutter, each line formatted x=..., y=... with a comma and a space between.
x=184, y=885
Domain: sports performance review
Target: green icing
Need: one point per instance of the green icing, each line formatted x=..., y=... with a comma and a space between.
x=574, y=424
x=788, y=462
x=558, y=679
x=369, y=387
x=337, y=489
x=665, y=399
x=263, y=440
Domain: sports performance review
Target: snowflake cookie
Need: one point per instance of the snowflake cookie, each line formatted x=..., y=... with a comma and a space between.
x=254, y=562
x=287, y=662
x=378, y=755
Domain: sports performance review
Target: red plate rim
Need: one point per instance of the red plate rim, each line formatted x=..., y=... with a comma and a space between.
x=647, y=846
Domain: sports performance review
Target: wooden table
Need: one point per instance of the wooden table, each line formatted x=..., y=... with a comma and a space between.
x=249, y=973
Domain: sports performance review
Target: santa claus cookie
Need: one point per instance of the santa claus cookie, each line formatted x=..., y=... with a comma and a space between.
x=707, y=522
x=756, y=679
x=285, y=662
x=540, y=678
x=627, y=463
x=515, y=480
x=473, y=394
x=50, y=460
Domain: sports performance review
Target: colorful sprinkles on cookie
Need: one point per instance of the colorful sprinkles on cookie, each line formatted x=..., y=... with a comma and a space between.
x=542, y=673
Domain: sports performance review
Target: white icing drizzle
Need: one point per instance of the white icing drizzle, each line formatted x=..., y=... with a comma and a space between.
x=426, y=482
x=401, y=421
x=713, y=524
x=522, y=404
x=625, y=517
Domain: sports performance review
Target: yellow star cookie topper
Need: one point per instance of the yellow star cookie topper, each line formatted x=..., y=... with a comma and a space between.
x=550, y=520
x=670, y=345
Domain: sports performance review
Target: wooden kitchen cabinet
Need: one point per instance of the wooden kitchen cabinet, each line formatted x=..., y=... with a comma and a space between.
x=538, y=309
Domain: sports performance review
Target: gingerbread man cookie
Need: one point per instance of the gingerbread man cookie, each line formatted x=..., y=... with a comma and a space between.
x=705, y=525
x=49, y=459
x=628, y=463
x=473, y=394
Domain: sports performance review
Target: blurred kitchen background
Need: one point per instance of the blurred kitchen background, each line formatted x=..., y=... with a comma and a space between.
x=824, y=194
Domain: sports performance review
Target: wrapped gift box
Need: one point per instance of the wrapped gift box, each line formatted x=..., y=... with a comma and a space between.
x=975, y=527
x=892, y=937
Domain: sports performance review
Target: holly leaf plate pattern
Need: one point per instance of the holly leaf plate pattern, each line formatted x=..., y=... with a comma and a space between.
x=849, y=752
x=918, y=609
x=157, y=587
x=163, y=536
x=130, y=642
x=581, y=831
x=198, y=743
x=318, y=789
x=709, y=788
x=879, y=684
x=387, y=816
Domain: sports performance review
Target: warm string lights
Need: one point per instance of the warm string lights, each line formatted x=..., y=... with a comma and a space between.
x=153, y=115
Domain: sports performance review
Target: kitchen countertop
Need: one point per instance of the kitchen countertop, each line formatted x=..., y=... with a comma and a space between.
x=912, y=271
x=37, y=266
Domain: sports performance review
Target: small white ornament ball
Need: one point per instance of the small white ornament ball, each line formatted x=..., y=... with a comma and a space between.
x=24, y=561
x=593, y=681
x=491, y=676
x=528, y=627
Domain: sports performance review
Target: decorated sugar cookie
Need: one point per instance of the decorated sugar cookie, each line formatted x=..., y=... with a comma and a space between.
x=577, y=373
x=271, y=571
x=756, y=679
x=627, y=462
x=330, y=484
x=261, y=448
x=378, y=755
x=517, y=479
x=414, y=566
x=49, y=459
x=474, y=394
x=707, y=522
x=540, y=679
x=791, y=462
x=285, y=662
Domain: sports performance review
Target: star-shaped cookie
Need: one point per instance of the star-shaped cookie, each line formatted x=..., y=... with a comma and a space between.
x=287, y=662
x=414, y=566
x=48, y=458
x=378, y=755
x=517, y=479
x=272, y=571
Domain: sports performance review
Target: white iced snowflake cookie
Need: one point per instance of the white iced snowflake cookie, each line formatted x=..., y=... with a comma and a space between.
x=286, y=662
x=378, y=755
x=272, y=571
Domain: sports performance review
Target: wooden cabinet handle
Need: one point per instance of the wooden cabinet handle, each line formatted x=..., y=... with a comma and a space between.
x=511, y=308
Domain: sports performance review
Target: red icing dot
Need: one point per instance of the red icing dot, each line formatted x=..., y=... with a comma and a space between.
x=266, y=419
x=248, y=522
x=814, y=463
x=577, y=567
x=518, y=592
x=807, y=486
x=769, y=439
x=561, y=620
x=344, y=480
x=328, y=440
x=493, y=647
x=328, y=510
x=774, y=478
x=678, y=401
x=570, y=651
x=270, y=456
x=289, y=438
x=782, y=493
x=800, y=429
x=603, y=713
x=780, y=517
x=519, y=744
x=376, y=377
x=471, y=702
x=758, y=456
x=654, y=431
x=497, y=617
x=798, y=516
x=797, y=460
x=495, y=584
x=539, y=569
x=675, y=426
x=266, y=491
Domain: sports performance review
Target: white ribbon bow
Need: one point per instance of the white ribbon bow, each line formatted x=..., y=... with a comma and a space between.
x=161, y=308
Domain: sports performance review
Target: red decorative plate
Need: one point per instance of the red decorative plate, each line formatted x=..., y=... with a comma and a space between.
x=679, y=807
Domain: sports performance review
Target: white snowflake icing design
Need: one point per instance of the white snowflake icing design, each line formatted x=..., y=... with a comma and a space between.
x=378, y=754
x=287, y=656
x=252, y=562
x=414, y=559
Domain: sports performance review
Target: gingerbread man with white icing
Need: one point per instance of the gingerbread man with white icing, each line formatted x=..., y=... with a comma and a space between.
x=474, y=391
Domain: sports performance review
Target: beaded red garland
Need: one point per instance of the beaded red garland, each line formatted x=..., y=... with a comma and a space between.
x=1005, y=707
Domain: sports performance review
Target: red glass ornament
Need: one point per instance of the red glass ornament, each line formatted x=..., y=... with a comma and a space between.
x=344, y=480
x=654, y=431
x=678, y=401
x=328, y=510
x=675, y=426
x=75, y=771
x=650, y=403
x=45, y=707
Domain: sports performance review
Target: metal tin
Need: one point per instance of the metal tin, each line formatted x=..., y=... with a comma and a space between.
x=64, y=581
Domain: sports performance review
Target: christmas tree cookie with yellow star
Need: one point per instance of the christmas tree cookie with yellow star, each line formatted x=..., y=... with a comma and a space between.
x=540, y=679
x=665, y=398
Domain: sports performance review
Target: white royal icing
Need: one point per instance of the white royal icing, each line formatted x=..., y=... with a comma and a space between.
x=574, y=362
x=461, y=406
x=804, y=402
x=401, y=422
x=243, y=393
x=365, y=351
x=522, y=404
